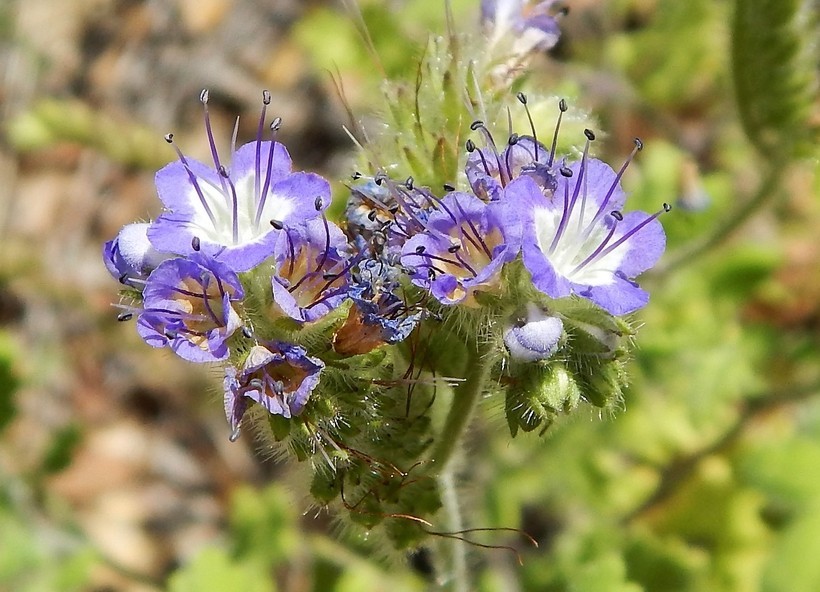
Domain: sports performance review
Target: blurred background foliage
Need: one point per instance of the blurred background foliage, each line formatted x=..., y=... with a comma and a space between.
x=115, y=469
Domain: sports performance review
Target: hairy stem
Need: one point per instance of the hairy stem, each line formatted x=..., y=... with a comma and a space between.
x=452, y=553
x=464, y=400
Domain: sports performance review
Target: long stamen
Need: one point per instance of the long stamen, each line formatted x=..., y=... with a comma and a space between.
x=481, y=242
x=205, y=302
x=318, y=205
x=523, y=100
x=257, y=181
x=470, y=146
x=508, y=153
x=582, y=177
x=456, y=250
x=562, y=108
x=422, y=253
x=234, y=204
x=440, y=203
x=479, y=125
x=666, y=207
x=203, y=98
x=191, y=177
x=638, y=147
x=567, y=173
x=274, y=127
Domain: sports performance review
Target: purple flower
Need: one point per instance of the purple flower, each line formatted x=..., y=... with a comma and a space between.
x=577, y=241
x=310, y=270
x=279, y=376
x=466, y=243
x=535, y=338
x=235, y=212
x=532, y=25
x=489, y=171
x=189, y=307
x=130, y=255
x=376, y=318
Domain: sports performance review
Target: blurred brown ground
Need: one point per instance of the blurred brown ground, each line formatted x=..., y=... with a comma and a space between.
x=154, y=468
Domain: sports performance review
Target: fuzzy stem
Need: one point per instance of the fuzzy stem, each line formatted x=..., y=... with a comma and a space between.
x=765, y=194
x=452, y=553
x=465, y=397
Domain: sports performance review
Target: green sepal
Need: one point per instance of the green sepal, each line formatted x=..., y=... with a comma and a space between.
x=541, y=392
x=279, y=426
x=326, y=484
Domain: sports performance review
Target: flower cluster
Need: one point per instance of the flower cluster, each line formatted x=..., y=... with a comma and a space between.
x=336, y=339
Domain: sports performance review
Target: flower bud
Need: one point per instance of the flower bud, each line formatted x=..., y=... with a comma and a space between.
x=534, y=340
x=544, y=392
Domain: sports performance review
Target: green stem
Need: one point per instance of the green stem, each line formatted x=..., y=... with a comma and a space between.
x=464, y=400
x=452, y=553
x=765, y=194
x=452, y=556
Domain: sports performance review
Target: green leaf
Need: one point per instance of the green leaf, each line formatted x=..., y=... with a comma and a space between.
x=213, y=571
x=773, y=74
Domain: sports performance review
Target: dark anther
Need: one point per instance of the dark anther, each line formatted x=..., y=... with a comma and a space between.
x=666, y=207
x=327, y=276
x=170, y=334
x=223, y=172
x=247, y=332
x=448, y=187
x=123, y=278
x=371, y=215
x=125, y=316
x=203, y=96
x=409, y=183
x=169, y=138
x=522, y=98
x=469, y=145
x=562, y=106
x=419, y=249
x=454, y=249
x=195, y=243
x=588, y=133
x=356, y=176
x=266, y=97
x=476, y=124
x=275, y=124
x=431, y=273
x=638, y=143
x=317, y=203
x=277, y=224
x=409, y=270
x=378, y=180
x=564, y=11
x=393, y=209
x=565, y=172
x=513, y=139
x=617, y=215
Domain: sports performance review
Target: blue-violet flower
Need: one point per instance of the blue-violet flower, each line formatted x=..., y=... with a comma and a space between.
x=279, y=376
x=235, y=214
x=189, y=307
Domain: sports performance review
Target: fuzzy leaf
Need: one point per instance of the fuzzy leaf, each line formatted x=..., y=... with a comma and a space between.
x=773, y=76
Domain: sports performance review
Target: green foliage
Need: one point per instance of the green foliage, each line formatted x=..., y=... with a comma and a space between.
x=51, y=121
x=212, y=570
x=61, y=450
x=8, y=382
x=775, y=74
